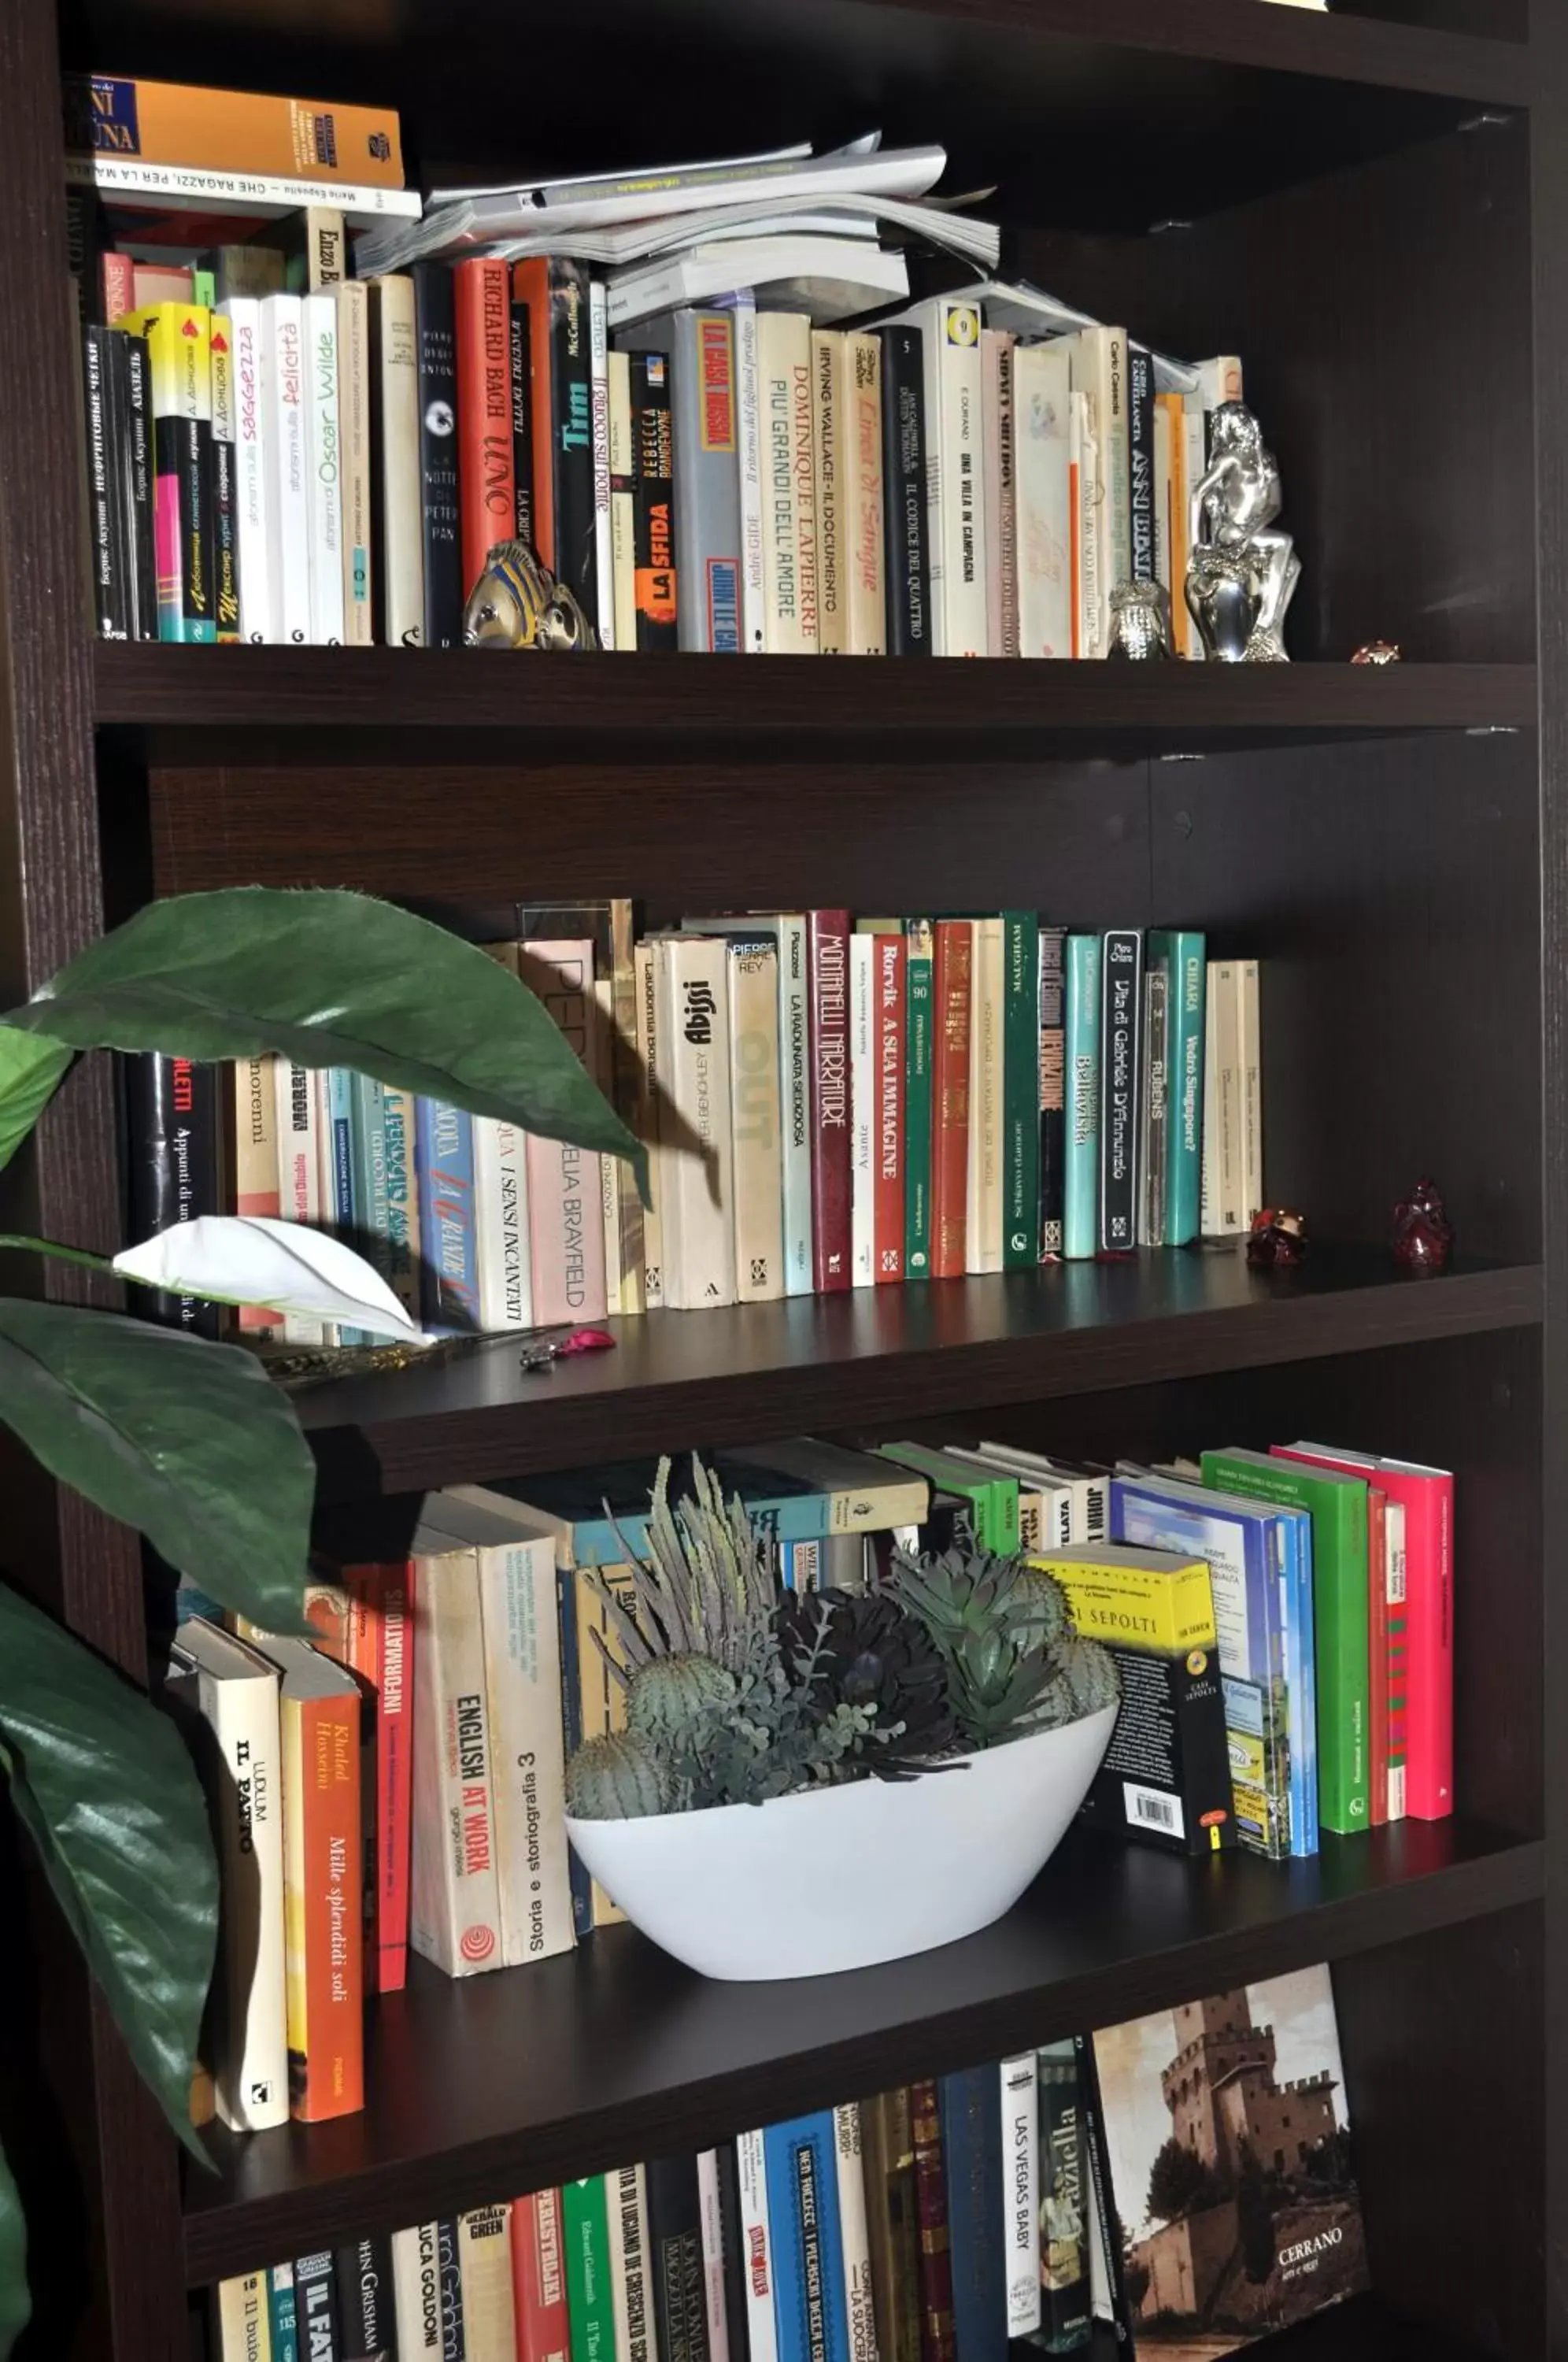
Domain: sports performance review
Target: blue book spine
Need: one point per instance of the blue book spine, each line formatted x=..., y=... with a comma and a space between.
x=1293, y=1534
x=809, y=2306
x=788, y=1517
x=367, y=1152
x=1183, y=955
x=448, y=1243
x=280, y=2316
x=1080, y=1227
x=972, y=2162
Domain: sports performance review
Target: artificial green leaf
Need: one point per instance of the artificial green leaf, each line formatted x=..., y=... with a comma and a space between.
x=16, y=2306
x=329, y=979
x=31, y=1067
x=188, y=1441
x=105, y=1789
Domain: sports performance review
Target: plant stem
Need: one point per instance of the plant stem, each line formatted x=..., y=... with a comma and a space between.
x=62, y=1255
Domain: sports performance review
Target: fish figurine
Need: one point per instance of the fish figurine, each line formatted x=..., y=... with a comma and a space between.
x=518, y=603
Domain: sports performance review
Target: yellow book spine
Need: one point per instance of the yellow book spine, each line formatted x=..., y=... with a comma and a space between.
x=243, y=2335
x=1168, y=1609
x=602, y=1700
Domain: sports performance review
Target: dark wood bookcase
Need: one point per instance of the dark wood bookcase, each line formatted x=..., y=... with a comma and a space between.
x=1372, y=207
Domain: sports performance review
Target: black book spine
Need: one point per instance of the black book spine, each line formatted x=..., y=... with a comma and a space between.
x=366, y=2327
x=1121, y=1073
x=1106, y=2223
x=454, y=2345
x=1066, y=2307
x=86, y=236
x=1052, y=1091
x=172, y=1125
x=734, y=2245
x=653, y=503
x=438, y=335
x=675, y=2244
x=571, y=387
x=903, y=492
x=139, y=432
x=315, y=2309
x=1140, y=448
x=522, y=422
x=106, y=531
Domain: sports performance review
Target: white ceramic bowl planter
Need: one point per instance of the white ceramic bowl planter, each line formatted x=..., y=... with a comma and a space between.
x=841, y=1878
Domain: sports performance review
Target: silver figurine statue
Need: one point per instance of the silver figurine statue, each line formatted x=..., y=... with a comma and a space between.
x=1241, y=574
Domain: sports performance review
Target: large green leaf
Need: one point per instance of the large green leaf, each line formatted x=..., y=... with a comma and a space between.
x=31, y=1067
x=329, y=979
x=105, y=1787
x=15, y=2303
x=188, y=1441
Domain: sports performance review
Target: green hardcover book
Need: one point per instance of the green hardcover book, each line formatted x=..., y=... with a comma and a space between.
x=1337, y=1504
x=917, y=1100
x=1182, y=956
x=203, y=288
x=585, y=2231
x=1021, y=1090
x=993, y=1499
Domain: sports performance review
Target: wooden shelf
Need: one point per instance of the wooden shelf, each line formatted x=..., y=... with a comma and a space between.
x=1364, y=2330
x=884, y=1355
x=186, y=704
x=506, y=2083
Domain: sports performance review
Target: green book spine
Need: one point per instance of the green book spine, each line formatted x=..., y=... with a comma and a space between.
x=585, y=2230
x=1080, y=1228
x=993, y=1500
x=203, y=288
x=1021, y=1090
x=1183, y=957
x=1340, y=1606
x=917, y=1100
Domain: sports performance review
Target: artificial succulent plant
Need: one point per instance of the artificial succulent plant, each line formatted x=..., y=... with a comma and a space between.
x=847, y=1648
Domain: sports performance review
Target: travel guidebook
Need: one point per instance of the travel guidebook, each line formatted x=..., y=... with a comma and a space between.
x=1234, y=2202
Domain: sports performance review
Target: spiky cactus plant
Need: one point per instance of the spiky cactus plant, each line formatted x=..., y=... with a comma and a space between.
x=707, y=1586
x=619, y=1777
x=668, y=1700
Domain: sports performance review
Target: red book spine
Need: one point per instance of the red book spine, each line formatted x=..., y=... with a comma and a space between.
x=827, y=951
x=531, y=285
x=380, y=1649
x=938, y=2341
x=1377, y=1652
x=538, y=2280
x=487, y=495
x=953, y=970
x=887, y=985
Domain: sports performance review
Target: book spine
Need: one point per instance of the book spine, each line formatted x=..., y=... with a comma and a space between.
x=259, y=622
x=888, y=988
x=795, y=1104
x=697, y=1199
x=487, y=495
x=803, y=2202
x=363, y=2270
x=522, y=1675
x=287, y=470
x=501, y=1223
x=252, y=2065
x=253, y=1091
x=983, y=1196
x=789, y=528
x=938, y=2335
x=231, y=131
x=1000, y=485
x=1140, y=506
x=566, y=1195
x=397, y=483
x=599, y=403
x=453, y=1892
x=110, y=589
x=520, y=376
x=955, y=481
x=646, y=1123
x=1052, y=1057
x=709, y=2207
x=393, y=1150
x=892, y=2224
x=952, y=974
x=299, y=1171
x=1164, y=406
x=1181, y=956
x=971, y=2148
x=173, y=1137
x=675, y=2243
x=1021, y=2193
x=586, y=2234
x=828, y=371
x=490, y=2327
x=1428, y=1545
x=571, y=407
x=1021, y=1090
x=449, y=2266
x=316, y=2308
x=1222, y=1192
x=539, y=2278
x=141, y=529
x=323, y=460
x=1153, y=1133
x=1376, y=1657
x=749, y=442
x=352, y=299
x=867, y=628
x=906, y=566
x=1044, y=522
x=1121, y=985
x=380, y=1650
x=653, y=492
x=447, y=1241
x=1067, y=2323
x=178, y=338
x=226, y=501
x=827, y=946
x=855, y=2235
x=621, y=573
x=761, y=2325
x=863, y=1112
x=416, y=2285
x=754, y=1117
x=323, y=1959
x=282, y=2315
x=240, y=2318
x=440, y=508
x=631, y=2293
x=1250, y=1115
x=1080, y=1230
x=917, y=1101
x=1395, y=1579
x=531, y=295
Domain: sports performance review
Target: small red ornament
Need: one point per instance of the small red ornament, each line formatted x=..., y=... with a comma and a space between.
x=1423, y=1235
x=1278, y=1240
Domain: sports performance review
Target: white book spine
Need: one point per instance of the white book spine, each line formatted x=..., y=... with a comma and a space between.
x=1218, y=1043
x=983, y=1200
x=855, y=2235
x=794, y=1054
x=416, y=2291
x=696, y=1165
x=1021, y=2193
x=622, y=502
x=755, y=1120
x=749, y=437
x=401, y=554
x=1086, y=463
x=631, y=2278
x=259, y=621
x=600, y=1066
x=299, y=1171
x=1098, y=361
x=454, y=1892
x=288, y=494
x=1042, y=445
x=523, y=1674
x=862, y=1111
x=352, y=298
x=323, y=462
x=788, y=507
x=501, y=1224
x=251, y=2081
x=243, y=2335
x=762, y=2328
x=955, y=484
x=828, y=429
x=1250, y=1060
x=711, y=2215
x=599, y=395
x=647, y=1125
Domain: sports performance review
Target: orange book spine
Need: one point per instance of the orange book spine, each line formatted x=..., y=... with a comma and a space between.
x=487, y=495
x=952, y=979
x=380, y=1650
x=323, y=1939
x=233, y=130
x=531, y=285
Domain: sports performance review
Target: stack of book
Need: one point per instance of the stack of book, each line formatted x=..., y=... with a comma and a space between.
x=290, y=443
x=1118, y=2178
x=828, y=1103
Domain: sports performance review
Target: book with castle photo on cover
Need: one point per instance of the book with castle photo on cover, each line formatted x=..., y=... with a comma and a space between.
x=1227, y=2132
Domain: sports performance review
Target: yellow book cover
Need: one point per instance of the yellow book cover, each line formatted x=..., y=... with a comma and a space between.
x=484, y=2258
x=243, y=2334
x=232, y=130
x=1138, y=1598
x=180, y=358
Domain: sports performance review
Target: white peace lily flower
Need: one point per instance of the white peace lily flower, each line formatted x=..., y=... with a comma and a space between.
x=251, y=1259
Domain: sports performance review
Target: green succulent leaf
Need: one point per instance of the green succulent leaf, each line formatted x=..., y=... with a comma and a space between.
x=105, y=1790
x=188, y=1441
x=31, y=1065
x=330, y=978
x=15, y=2305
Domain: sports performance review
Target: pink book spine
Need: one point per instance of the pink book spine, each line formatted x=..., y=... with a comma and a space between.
x=1429, y=1611
x=566, y=1227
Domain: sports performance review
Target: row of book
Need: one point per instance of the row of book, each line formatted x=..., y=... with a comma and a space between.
x=1086, y=2181
x=1282, y=1625
x=828, y=1104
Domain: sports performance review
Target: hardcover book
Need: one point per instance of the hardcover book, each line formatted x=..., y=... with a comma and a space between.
x=807, y=2250
x=1121, y=957
x=675, y=2244
x=827, y=951
x=1066, y=2321
x=904, y=522
x=436, y=328
x=538, y=2281
x=417, y=2286
x=365, y=2302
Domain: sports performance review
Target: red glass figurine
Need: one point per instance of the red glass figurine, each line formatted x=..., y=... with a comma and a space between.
x=1423, y=1235
x=1278, y=1240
